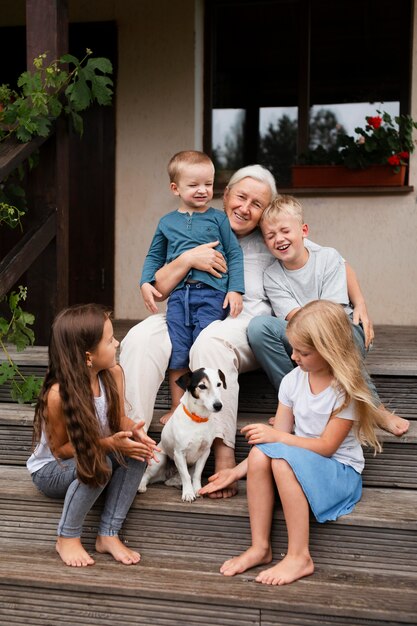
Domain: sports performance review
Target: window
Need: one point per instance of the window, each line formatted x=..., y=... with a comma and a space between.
x=282, y=75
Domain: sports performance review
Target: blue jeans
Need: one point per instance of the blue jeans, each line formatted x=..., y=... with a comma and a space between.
x=270, y=345
x=190, y=309
x=58, y=479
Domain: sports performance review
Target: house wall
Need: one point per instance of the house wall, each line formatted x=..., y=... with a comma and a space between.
x=155, y=119
x=159, y=111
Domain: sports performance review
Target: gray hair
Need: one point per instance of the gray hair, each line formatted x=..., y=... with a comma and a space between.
x=257, y=172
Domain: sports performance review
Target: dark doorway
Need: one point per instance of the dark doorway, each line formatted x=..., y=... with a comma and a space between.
x=92, y=187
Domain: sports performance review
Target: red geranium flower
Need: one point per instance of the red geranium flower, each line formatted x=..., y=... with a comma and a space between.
x=375, y=122
x=394, y=159
x=404, y=155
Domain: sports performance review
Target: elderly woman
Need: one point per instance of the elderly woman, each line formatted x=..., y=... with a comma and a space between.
x=146, y=349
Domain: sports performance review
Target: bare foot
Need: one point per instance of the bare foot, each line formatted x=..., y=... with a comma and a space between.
x=287, y=571
x=394, y=423
x=227, y=492
x=118, y=550
x=71, y=551
x=224, y=459
x=167, y=416
x=250, y=558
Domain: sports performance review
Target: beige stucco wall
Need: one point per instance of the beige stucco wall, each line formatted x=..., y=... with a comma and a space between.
x=155, y=119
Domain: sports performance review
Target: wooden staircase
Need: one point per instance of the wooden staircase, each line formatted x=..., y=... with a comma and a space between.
x=366, y=562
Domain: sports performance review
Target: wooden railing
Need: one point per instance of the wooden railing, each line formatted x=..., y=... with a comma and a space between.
x=13, y=153
x=34, y=242
x=26, y=251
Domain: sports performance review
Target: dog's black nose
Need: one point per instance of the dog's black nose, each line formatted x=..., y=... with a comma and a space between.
x=217, y=406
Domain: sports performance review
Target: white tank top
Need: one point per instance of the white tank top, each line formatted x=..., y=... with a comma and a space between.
x=43, y=455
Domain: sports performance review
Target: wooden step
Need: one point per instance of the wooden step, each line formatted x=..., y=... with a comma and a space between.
x=379, y=535
x=395, y=467
x=167, y=592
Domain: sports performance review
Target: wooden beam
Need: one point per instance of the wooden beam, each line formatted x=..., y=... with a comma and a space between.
x=21, y=257
x=13, y=153
x=47, y=31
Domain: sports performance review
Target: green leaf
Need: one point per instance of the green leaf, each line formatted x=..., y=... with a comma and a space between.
x=4, y=326
x=79, y=94
x=69, y=58
x=27, y=318
x=99, y=63
x=7, y=372
x=26, y=391
x=100, y=89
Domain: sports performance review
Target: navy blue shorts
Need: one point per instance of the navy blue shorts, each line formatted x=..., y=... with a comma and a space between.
x=190, y=309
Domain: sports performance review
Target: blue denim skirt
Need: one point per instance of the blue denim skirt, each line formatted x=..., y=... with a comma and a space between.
x=332, y=489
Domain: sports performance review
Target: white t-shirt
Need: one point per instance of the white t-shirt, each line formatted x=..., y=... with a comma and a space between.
x=323, y=277
x=312, y=411
x=256, y=260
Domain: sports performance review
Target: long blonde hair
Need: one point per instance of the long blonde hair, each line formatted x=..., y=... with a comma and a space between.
x=325, y=327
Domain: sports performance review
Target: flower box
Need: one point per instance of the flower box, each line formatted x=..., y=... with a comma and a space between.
x=341, y=176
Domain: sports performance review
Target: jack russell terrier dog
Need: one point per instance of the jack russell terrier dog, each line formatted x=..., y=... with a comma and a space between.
x=187, y=437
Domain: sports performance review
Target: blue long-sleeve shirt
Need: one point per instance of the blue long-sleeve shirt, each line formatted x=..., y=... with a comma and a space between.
x=178, y=232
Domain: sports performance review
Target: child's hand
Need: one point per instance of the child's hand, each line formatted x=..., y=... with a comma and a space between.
x=149, y=293
x=219, y=481
x=234, y=300
x=123, y=443
x=360, y=314
x=139, y=435
x=261, y=433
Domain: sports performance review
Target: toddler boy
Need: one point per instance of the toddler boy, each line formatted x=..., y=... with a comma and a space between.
x=200, y=298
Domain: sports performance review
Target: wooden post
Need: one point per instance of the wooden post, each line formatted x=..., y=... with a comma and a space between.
x=47, y=31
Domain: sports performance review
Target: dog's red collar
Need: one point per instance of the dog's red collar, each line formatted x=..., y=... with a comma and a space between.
x=194, y=417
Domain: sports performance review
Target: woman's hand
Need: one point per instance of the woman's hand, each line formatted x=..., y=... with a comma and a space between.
x=206, y=259
x=360, y=314
x=149, y=293
x=219, y=481
x=262, y=433
x=233, y=300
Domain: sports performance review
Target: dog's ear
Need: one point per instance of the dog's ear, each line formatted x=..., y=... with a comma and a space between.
x=184, y=381
x=222, y=378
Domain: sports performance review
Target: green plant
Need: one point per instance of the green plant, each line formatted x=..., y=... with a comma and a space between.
x=17, y=332
x=48, y=91
x=44, y=94
x=384, y=140
x=10, y=215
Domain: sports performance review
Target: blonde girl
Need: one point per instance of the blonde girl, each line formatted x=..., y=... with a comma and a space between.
x=313, y=453
x=83, y=441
